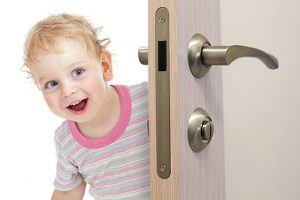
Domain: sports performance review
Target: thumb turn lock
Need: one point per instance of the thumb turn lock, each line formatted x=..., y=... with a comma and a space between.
x=200, y=130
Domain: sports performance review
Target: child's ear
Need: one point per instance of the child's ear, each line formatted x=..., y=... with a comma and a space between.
x=106, y=66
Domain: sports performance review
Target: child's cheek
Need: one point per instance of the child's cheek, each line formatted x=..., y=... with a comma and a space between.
x=50, y=102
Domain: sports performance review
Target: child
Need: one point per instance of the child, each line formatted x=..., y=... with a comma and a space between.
x=104, y=140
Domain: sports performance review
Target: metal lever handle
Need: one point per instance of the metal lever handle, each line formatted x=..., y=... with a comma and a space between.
x=224, y=55
x=201, y=55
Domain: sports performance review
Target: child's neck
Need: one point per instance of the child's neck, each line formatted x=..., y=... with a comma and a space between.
x=103, y=125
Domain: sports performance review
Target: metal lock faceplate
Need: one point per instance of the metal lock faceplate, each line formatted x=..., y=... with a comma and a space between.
x=162, y=82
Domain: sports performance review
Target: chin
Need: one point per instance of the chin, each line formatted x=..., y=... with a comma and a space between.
x=81, y=119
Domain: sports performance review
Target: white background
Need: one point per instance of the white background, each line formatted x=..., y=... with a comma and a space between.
x=261, y=107
x=27, y=147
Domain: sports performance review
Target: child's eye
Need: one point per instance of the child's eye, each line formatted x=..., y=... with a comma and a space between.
x=51, y=84
x=78, y=72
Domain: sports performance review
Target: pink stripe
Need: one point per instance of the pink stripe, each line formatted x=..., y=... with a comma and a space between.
x=63, y=186
x=123, y=180
x=139, y=119
x=63, y=135
x=143, y=106
x=62, y=178
x=138, y=87
x=139, y=90
x=116, y=151
x=123, y=170
x=75, y=151
x=126, y=169
x=99, y=177
x=139, y=95
x=66, y=186
x=127, y=189
x=132, y=134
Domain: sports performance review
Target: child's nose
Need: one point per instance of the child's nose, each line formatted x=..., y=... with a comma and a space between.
x=68, y=90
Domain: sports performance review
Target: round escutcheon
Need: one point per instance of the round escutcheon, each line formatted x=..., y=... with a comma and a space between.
x=200, y=130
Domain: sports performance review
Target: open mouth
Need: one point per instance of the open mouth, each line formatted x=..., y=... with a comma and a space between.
x=78, y=106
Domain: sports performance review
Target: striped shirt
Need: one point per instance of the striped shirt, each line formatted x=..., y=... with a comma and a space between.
x=115, y=166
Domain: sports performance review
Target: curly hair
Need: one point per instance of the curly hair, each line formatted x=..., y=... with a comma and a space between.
x=45, y=33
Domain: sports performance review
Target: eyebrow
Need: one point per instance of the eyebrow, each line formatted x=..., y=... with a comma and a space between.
x=75, y=63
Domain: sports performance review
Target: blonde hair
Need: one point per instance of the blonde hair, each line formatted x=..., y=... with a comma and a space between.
x=45, y=33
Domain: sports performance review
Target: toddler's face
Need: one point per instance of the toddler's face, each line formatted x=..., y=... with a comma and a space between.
x=72, y=80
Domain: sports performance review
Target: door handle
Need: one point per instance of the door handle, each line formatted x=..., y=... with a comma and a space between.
x=201, y=55
x=143, y=55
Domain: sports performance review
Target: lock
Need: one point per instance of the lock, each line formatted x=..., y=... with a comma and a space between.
x=207, y=130
x=200, y=130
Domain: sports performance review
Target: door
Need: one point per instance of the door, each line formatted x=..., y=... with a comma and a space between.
x=192, y=175
x=186, y=98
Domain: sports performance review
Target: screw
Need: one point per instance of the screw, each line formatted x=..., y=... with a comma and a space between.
x=161, y=19
x=163, y=168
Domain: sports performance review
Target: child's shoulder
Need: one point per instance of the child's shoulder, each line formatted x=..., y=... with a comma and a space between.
x=139, y=92
x=61, y=131
x=62, y=127
x=143, y=86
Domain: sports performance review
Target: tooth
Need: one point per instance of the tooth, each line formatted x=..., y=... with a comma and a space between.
x=75, y=103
